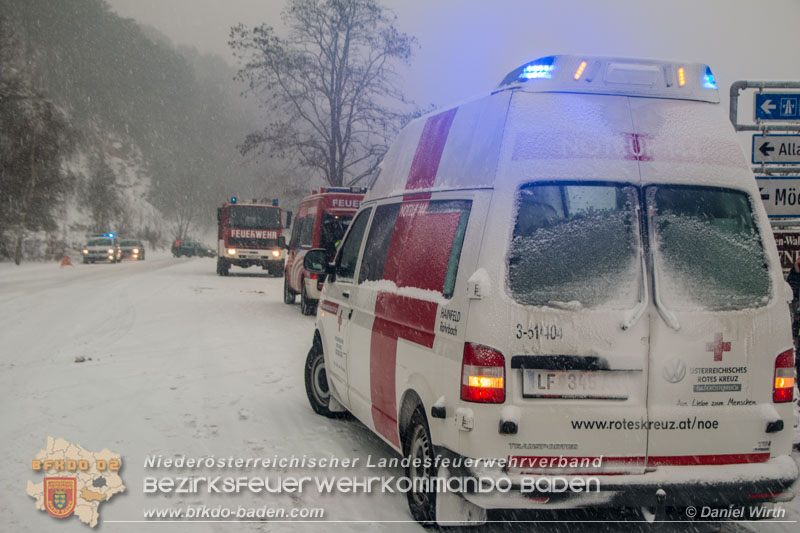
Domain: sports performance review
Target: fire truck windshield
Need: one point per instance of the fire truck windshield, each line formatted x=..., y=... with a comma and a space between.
x=254, y=217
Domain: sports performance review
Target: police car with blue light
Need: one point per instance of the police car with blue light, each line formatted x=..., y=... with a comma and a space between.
x=102, y=247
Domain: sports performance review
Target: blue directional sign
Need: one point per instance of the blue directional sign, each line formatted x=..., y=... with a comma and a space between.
x=777, y=106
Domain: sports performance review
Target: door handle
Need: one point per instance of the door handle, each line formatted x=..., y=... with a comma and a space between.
x=350, y=314
x=346, y=294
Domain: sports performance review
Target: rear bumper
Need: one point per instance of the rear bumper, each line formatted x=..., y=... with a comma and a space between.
x=684, y=486
x=270, y=262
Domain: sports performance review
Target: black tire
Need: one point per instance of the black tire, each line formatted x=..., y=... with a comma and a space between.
x=307, y=305
x=317, y=382
x=223, y=268
x=417, y=444
x=288, y=294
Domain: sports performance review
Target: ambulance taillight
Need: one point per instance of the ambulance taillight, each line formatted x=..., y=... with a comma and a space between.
x=482, y=374
x=783, y=389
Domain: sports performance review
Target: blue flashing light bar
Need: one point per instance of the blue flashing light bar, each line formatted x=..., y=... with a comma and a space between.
x=233, y=199
x=709, y=82
x=540, y=68
x=652, y=78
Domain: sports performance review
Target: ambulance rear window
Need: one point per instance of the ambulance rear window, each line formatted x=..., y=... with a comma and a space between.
x=576, y=245
x=707, y=250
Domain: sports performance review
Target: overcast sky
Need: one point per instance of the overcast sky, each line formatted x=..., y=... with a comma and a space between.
x=467, y=46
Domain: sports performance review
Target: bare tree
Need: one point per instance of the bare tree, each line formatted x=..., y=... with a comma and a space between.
x=331, y=86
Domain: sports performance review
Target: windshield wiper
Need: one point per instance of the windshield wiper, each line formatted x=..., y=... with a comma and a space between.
x=667, y=315
x=633, y=316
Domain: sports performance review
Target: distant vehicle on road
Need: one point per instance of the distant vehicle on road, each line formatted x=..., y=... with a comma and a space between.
x=191, y=249
x=251, y=234
x=321, y=222
x=206, y=250
x=102, y=247
x=133, y=249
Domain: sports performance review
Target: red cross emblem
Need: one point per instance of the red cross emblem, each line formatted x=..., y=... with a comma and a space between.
x=718, y=347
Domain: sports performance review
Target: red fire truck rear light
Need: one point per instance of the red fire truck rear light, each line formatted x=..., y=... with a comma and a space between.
x=482, y=374
x=312, y=275
x=783, y=388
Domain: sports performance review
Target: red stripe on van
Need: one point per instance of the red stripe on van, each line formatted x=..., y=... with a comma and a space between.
x=399, y=316
x=429, y=150
x=404, y=317
x=395, y=317
x=706, y=460
x=538, y=464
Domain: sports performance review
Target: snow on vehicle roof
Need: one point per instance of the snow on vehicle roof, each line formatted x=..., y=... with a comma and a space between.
x=533, y=129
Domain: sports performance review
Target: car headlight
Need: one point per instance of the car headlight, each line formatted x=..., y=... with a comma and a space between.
x=231, y=251
x=111, y=251
x=276, y=253
x=136, y=250
x=85, y=251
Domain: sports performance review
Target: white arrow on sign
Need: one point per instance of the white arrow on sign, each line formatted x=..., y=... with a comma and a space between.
x=767, y=107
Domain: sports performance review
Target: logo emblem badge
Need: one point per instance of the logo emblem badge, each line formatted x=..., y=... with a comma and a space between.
x=59, y=495
x=718, y=346
x=674, y=370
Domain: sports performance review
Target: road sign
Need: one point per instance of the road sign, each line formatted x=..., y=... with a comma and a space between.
x=788, y=242
x=781, y=195
x=777, y=106
x=776, y=149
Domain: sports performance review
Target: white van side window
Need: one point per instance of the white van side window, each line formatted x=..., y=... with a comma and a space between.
x=400, y=233
x=306, y=231
x=348, y=255
x=576, y=244
x=708, y=254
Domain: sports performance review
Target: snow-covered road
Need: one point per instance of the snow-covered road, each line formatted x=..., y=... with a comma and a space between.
x=177, y=361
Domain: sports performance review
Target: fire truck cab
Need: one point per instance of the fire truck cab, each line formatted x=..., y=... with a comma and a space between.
x=322, y=220
x=251, y=235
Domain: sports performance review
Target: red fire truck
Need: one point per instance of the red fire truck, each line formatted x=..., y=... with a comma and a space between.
x=251, y=234
x=322, y=220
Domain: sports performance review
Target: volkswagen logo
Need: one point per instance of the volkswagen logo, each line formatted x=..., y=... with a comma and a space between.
x=674, y=370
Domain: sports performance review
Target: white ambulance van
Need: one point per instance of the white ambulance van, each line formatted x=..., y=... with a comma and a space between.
x=572, y=278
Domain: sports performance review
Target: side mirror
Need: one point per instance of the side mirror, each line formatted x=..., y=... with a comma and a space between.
x=282, y=241
x=219, y=214
x=316, y=261
x=288, y=219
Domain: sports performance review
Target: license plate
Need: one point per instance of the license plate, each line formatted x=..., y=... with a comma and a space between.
x=576, y=384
